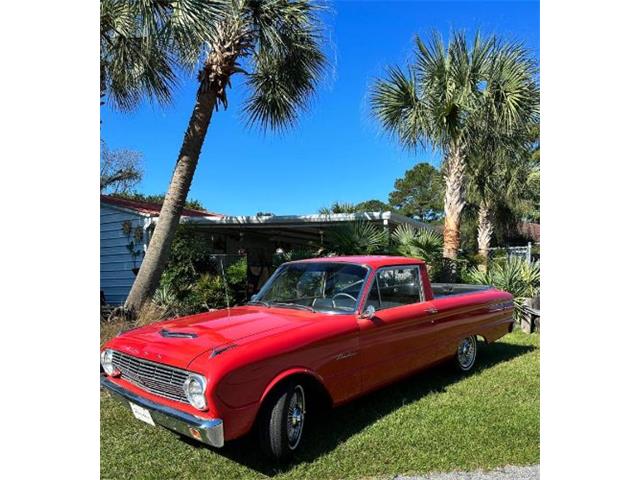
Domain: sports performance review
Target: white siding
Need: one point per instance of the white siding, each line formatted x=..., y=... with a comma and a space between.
x=116, y=262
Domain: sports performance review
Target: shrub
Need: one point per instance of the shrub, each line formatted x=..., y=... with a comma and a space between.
x=204, y=291
x=514, y=275
x=190, y=257
x=209, y=292
x=358, y=238
x=422, y=243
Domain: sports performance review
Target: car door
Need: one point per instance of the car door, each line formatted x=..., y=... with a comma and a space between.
x=392, y=342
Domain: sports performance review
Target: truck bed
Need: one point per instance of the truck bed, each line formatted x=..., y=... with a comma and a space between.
x=448, y=289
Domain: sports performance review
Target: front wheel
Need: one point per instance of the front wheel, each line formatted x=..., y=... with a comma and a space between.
x=282, y=421
x=466, y=354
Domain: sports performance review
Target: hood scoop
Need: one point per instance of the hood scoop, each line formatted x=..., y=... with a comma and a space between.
x=169, y=334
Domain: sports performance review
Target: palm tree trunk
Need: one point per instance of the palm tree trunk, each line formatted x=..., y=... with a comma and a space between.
x=485, y=231
x=157, y=254
x=453, y=204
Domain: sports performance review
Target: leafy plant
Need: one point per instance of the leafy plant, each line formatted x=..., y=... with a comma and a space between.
x=515, y=275
x=167, y=299
x=190, y=257
x=358, y=238
x=422, y=243
x=209, y=292
x=186, y=289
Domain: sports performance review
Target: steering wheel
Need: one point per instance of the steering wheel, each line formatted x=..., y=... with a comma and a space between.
x=333, y=299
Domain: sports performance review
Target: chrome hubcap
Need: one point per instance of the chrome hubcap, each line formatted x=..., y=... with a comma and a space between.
x=467, y=352
x=295, y=417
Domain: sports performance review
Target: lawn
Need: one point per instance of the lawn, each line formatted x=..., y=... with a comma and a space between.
x=434, y=421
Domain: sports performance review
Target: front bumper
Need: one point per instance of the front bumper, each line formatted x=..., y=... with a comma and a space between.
x=209, y=431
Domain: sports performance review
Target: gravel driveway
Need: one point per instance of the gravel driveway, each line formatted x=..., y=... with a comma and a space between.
x=503, y=473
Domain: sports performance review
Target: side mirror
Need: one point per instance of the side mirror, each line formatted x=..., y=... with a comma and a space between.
x=368, y=312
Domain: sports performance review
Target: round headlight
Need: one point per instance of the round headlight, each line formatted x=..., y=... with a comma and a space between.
x=106, y=359
x=194, y=388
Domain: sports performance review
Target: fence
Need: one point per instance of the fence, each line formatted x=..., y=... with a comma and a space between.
x=524, y=251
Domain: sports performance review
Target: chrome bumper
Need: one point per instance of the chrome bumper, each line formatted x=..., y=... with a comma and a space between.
x=209, y=431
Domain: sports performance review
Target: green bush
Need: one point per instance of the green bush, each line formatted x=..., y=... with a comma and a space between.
x=514, y=275
x=209, y=292
x=192, y=281
x=422, y=243
x=190, y=257
x=358, y=238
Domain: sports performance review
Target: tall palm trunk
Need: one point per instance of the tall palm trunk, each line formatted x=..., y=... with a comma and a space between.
x=157, y=254
x=453, y=204
x=485, y=231
x=214, y=78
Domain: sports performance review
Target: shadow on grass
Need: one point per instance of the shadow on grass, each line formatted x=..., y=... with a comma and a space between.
x=337, y=425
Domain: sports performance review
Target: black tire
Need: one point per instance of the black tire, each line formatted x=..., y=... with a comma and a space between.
x=466, y=354
x=276, y=439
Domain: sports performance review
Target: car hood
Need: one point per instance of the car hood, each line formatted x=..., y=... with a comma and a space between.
x=178, y=341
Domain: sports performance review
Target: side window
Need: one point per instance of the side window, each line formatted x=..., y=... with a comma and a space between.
x=396, y=286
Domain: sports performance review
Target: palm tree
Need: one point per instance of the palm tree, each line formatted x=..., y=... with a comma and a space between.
x=500, y=172
x=442, y=98
x=276, y=44
x=144, y=42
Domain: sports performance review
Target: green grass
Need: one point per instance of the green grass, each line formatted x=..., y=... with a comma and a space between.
x=434, y=421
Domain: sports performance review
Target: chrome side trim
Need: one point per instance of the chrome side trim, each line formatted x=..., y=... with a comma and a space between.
x=209, y=431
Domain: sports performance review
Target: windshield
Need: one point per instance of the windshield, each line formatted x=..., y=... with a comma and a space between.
x=317, y=286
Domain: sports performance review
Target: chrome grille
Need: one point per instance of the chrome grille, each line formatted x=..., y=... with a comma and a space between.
x=153, y=377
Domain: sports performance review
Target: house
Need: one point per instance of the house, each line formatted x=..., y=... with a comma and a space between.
x=124, y=234
x=125, y=227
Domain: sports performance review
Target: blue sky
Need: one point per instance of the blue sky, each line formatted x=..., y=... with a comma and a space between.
x=336, y=152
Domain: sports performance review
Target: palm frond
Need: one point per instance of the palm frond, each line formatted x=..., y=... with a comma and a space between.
x=144, y=43
x=422, y=243
x=288, y=61
x=396, y=104
x=359, y=238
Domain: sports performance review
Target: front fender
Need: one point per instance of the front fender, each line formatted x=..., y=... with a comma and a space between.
x=288, y=373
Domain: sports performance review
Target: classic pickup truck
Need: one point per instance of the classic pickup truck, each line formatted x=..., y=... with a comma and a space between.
x=320, y=330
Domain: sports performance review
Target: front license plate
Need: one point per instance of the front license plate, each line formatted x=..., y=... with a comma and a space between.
x=142, y=414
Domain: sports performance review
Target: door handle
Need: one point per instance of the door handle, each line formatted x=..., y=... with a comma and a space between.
x=431, y=311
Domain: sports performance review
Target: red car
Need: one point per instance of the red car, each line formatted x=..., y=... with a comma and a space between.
x=327, y=329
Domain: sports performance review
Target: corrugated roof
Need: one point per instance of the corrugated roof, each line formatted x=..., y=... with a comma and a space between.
x=152, y=209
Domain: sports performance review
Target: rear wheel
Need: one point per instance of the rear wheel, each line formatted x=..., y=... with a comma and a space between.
x=282, y=421
x=466, y=354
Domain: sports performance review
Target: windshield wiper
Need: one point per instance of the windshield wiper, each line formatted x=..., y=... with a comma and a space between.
x=294, y=305
x=258, y=302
